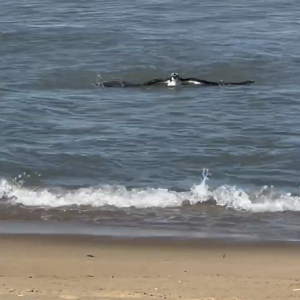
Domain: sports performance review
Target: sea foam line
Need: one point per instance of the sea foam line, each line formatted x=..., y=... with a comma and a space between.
x=263, y=200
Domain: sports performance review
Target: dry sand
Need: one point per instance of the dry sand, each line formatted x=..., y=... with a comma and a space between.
x=76, y=267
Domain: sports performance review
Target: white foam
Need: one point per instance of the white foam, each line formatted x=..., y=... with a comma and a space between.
x=264, y=200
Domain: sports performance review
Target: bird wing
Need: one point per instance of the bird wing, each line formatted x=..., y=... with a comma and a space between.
x=117, y=83
x=206, y=82
x=154, y=81
x=193, y=80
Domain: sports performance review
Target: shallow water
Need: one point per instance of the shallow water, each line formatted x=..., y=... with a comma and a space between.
x=134, y=157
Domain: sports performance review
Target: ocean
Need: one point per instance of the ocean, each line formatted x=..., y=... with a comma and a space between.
x=201, y=162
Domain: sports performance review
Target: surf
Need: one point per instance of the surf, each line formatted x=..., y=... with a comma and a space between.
x=264, y=199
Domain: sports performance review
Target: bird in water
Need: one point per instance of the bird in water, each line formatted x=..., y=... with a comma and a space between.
x=172, y=81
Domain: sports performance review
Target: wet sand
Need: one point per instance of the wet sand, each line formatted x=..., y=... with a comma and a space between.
x=87, y=267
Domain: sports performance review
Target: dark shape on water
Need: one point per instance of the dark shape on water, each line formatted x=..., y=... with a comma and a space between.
x=174, y=80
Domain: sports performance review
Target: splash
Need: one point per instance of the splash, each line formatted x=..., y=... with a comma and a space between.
x=229, y=197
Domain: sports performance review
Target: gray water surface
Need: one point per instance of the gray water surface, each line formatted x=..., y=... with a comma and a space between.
x=134, y=157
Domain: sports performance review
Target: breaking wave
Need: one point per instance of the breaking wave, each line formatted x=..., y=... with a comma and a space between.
x=231, y=197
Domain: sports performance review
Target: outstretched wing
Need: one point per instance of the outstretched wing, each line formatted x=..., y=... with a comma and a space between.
x=237, y=83
x=192, y=81
x=154, y=81
x=116, y=83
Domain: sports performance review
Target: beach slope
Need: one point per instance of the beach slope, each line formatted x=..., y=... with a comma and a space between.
x=85, y=267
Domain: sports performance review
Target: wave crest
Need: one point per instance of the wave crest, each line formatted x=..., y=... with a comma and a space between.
x=231, y=197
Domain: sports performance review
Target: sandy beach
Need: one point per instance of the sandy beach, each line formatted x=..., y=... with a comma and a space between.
x=85, y=267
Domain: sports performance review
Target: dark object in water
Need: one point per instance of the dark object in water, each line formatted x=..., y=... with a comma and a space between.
x=174, y=80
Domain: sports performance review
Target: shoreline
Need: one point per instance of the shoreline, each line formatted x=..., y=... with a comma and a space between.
x=40, y=228
x=93, y=267
x=150, y=241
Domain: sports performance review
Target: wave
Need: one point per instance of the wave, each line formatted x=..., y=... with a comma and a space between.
x=229, y=197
